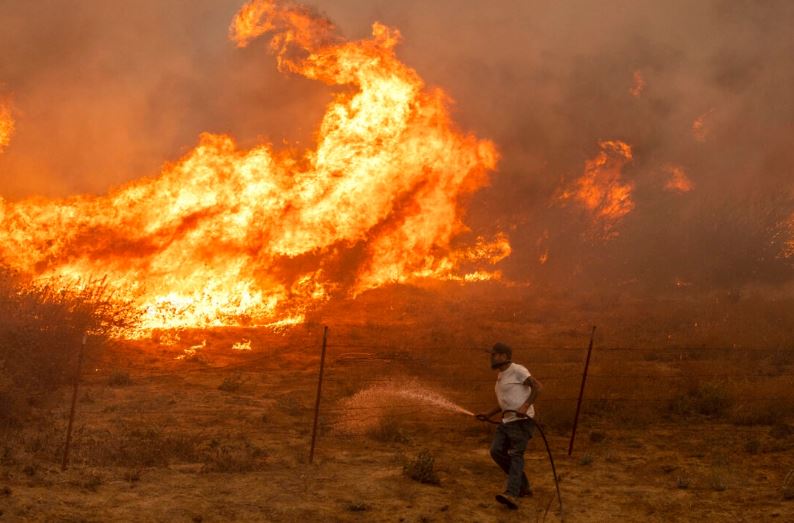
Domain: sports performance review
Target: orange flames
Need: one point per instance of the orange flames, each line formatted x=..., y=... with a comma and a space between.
x=638, y=84
x=229, y=236
x=6, y=125
x=678, y=180
x=601, y=189
x=700, y=126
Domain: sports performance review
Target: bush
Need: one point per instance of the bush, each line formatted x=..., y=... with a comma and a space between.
x=119, y=378
x=389, y=430
x=422, y=468
x=708, y=399
x=231, y=384
x=41, y=327
x=233, y=457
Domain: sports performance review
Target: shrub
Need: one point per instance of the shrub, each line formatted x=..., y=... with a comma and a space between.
x=708, y=399
x=422, y=468
x=41, y=326
x=232, y=457
x=231, y=384
x=119, y=378
x=389, y=430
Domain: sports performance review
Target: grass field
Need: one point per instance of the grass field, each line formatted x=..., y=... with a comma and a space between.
x=187, y=428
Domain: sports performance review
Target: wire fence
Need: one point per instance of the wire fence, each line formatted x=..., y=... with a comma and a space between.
x=627, y=378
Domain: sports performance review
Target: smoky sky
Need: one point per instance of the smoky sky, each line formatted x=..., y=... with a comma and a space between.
x=108, y=91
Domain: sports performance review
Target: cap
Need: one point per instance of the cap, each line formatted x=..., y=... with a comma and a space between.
x=501, y=348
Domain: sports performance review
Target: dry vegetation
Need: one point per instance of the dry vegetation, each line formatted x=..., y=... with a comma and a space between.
x=669, y=433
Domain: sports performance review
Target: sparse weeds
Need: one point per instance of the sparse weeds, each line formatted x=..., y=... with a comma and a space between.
x=231, y=383
x=422, y=468
x=682, y=482
x=119, y=378
x=788, y=485
x=717, y=481
x=708, y=399
x=357, y=507
x=752, y=446
x=239, y=456
x=586, y=460
x=389, y=430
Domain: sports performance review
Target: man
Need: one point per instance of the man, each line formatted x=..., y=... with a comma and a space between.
x=516, y=391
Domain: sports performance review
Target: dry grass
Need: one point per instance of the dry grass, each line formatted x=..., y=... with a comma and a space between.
x=41, y=326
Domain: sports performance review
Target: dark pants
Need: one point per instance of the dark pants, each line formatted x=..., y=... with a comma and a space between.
x=507, y=450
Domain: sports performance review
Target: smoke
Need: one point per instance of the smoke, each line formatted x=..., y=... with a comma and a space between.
x=105, y=93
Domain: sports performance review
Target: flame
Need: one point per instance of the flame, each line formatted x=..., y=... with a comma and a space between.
x=244, y=344
x=678, y=180
x=6, y=125
x=230, y=236
x=601, y=189
x=638, y=84
x=700, y=126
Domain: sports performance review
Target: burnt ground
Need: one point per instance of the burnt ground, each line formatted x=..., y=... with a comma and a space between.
x=223, y=434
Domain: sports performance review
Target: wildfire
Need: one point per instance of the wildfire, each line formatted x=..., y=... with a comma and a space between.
x=638, y=84
x=700, y=126
x=6, y=126
x=601, y=189
x=230, y=236
x=678, y=180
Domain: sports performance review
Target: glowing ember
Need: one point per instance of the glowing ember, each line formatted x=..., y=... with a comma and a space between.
x=678, y=180
x=229, y=236
x=6, y=126
x=788, y=242
x=638, y=84
x=700, y=129
x=601, y=189
x=243, y=344
x=191, y=351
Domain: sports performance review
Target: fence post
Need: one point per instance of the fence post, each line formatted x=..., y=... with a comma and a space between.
x=319, y=392
x=74, y=402
x=581, y=391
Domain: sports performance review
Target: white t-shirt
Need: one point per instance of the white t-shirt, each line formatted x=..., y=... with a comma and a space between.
x=511, y=392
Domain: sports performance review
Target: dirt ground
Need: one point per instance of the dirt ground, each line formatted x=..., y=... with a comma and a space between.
x=164, y=432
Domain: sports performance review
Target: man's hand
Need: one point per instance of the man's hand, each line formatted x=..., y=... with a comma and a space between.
x=481, y=417
x=523, y=409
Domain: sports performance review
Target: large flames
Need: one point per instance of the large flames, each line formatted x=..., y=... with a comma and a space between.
x=228, y=236
x=601, y=189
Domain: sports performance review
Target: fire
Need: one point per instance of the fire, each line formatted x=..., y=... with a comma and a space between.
x=678, y=180
x=230, y=236
x=700, y=126
x=6, y=125
x=638, y=84
x=601, y=189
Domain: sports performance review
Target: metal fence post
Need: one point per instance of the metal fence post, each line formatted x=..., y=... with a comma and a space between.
x=581, y=391
x=319, y=393
x=65, y=462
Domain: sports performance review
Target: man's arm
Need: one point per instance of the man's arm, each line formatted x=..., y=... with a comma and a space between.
x=533, y=395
